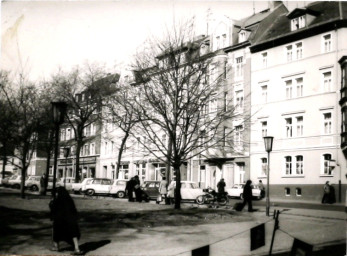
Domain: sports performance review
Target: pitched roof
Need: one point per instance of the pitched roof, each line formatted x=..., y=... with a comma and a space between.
x=276, y=29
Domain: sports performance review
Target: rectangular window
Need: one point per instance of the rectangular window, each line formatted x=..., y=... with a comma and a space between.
x=289, y=53
x=239, y=68
x=264, y=93
x=299, y=126
x=92, y=149
x=327, y=167
x=327, y=123
x=289, y=89
x=238, y=135
x=264, y=59
x=288, y=165
x=299, y=165
x=298, y=47
x=287, y=191
x=327, y=81
x=263, y=167
x=239, y=100
x=298, y=191
x=124, y=169
x=299, y=87
x=327, y=43
x=202, y=138
x=289, y=129
x=68, y=133
x=264, y=128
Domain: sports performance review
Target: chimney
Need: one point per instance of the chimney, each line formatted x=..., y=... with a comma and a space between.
x=273, y=4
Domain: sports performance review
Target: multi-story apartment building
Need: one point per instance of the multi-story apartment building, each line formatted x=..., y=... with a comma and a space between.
x=91, y=138
x=228, y=46
x=295, y=82
x=230, y=41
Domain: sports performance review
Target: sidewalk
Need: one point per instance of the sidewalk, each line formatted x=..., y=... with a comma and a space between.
x=317, y=227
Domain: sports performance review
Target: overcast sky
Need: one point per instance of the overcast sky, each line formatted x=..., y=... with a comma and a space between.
x=41, y=36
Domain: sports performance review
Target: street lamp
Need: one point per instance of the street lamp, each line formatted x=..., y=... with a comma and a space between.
x=268, y=140
x=58, y=113
x=66, y=151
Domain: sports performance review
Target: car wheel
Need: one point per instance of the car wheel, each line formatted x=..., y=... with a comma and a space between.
x=241, y=196
x=90, y=192
x=200, y=200
x=120, y=194
x=34, y=188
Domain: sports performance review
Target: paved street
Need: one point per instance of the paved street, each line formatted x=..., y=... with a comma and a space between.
x=115, y=227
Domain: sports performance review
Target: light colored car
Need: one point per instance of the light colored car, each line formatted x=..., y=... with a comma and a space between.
x=237, y=191
x=14, y=181
x=118, y=188
x=33, y=183
x=189, y=190
x=97, y=186
x=68, y=182
x=77, y=187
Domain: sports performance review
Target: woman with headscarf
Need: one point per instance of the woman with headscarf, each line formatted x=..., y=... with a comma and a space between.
x=64, y=216
x=247, y=195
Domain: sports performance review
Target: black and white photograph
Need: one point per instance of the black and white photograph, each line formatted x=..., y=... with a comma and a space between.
x=173, y=128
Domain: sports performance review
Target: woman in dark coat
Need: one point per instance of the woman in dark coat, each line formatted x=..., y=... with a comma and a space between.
x=247, y=195
x=64, y=216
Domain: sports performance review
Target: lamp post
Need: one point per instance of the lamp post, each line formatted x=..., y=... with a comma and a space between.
x=58, y=113
x=66, y=151
x=268, y=140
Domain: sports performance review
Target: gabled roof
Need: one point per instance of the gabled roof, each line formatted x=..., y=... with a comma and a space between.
x=276, y=29
x=301, y=11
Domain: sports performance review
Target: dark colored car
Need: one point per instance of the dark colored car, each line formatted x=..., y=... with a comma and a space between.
x=151, y=188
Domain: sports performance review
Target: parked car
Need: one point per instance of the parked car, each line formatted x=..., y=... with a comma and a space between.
x=14, y=181
x=97, y=186
x=33, y=183
x=77, y=187
x=118, y=188
x=151, y=188
x=237, y=191
x=67, y=181
x=189, y=190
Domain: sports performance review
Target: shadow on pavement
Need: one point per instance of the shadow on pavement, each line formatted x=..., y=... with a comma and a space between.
x=92, y=246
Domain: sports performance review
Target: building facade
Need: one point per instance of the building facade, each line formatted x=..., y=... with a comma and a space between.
x=296, y=82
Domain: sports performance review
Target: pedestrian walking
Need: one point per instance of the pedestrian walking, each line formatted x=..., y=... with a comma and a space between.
x=130, y=189
x=137, y=189
x=42, y=184
x=332, y=197
x=163, y=189
x=171, y=192
x=262, y=188
x=247, y=195
x=326, y=195
x=64, y=216
x=221, y=188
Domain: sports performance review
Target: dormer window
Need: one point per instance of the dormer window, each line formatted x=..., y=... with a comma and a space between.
x=242, y=36
x=298, y=23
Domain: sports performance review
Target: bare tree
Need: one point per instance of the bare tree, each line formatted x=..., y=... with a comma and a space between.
x=27, y=105
x=181, y=103
x=83, y=90
x=7, y=122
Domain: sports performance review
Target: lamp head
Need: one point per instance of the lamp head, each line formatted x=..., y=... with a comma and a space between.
x=268, y=140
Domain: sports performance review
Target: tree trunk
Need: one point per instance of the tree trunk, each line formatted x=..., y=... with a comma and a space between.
x=178, y=187
x=120, y=153
x=169, y=153
x=4, y=161
x=50, y=146
x=22, y=182
x=78, y=150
